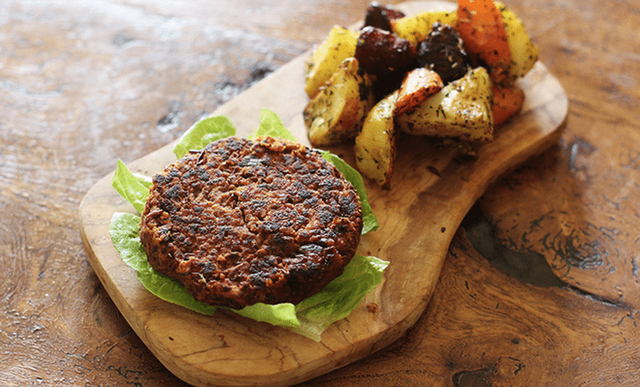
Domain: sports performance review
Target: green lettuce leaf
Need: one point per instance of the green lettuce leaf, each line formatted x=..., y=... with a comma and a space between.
x=310, y=317
x=133, y=187
x=340, y=297
x=270, y=125
x=123, y=230
x=204, y=132
x=283, y=315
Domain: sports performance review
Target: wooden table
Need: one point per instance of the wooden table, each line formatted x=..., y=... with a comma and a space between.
x=541, y=284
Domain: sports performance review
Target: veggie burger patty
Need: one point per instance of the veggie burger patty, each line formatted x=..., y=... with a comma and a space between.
x=248, y=221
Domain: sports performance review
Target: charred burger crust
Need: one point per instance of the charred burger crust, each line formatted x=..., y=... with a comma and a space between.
x=245, y=221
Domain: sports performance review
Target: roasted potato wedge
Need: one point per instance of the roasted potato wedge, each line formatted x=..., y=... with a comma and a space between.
x=415, y=28
x=524, y=53
x=417, y=85
x=462, y=110
x=339, y=108
x=375, y=146
x=325, y=59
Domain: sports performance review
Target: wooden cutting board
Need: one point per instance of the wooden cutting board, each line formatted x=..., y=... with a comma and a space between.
x=431, y=192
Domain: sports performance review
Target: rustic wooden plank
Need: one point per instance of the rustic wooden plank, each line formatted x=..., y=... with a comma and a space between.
x=418, y=216
x=85, y=83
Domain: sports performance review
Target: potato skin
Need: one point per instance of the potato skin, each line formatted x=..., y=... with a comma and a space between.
x=325, y=59
x=375, y=147
x=524, y=53
x=417, y=27
x=337, y=112
x=461, y=110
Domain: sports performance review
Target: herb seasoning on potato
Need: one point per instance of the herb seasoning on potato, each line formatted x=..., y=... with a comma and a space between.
x=449, y=75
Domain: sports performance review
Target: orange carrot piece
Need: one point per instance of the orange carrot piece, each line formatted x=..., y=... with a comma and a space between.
x=482, y=29
x=507, y=101
x=417, y=85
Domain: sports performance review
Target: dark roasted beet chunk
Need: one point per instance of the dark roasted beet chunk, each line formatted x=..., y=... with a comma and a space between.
x=443, y=52
x=380, y=16
x=385, y=56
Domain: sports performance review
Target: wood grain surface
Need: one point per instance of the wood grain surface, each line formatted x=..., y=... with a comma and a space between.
x=540, y=283
x=433, y=190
